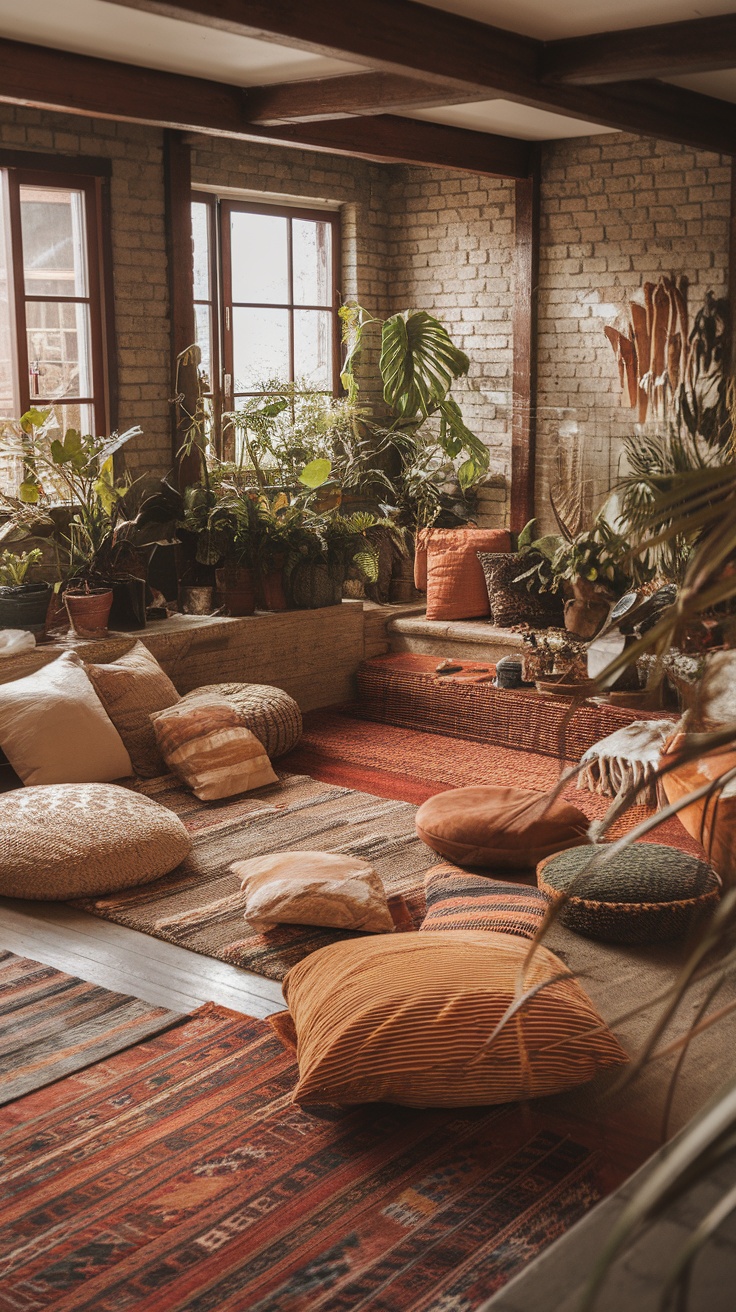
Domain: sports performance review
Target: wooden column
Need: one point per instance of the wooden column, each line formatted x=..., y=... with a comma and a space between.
x=178, y=194
x=731, y=287
x=524, y=409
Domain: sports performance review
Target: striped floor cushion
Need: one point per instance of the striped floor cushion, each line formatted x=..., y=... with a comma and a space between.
x=418, y=1019
x=457, y=900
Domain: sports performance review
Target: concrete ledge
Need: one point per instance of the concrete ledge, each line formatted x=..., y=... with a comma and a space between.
x=466, y=639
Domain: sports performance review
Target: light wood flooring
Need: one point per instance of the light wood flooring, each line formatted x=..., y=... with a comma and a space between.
x=128, y=962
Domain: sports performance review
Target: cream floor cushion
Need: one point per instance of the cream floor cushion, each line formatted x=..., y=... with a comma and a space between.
x=55, y=730
x=73, y=840
x=313, y=888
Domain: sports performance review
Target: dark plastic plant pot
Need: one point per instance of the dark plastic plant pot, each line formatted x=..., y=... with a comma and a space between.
x=89, y=611
x=25, y=607
x=128, y=610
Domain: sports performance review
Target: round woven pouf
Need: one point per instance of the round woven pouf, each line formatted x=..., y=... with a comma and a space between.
x=270, y=713
x=648, y=893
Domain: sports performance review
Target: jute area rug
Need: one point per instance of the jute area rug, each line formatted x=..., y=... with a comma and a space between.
x=52, y=1024
x=200, y=905
x=185, y=1179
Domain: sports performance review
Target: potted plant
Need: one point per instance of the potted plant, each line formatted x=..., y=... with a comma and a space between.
x=23, y=604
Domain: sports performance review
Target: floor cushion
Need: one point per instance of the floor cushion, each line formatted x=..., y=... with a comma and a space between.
x=711, y=820
x=458, y=900
x=510, y=828
x=131, y=689
x=76, y=840
x=205, y=744
x=55, y=730
x=313, y=888
x=446, y=565
x=270, y=713
x=412, y=1019
x=647, y=893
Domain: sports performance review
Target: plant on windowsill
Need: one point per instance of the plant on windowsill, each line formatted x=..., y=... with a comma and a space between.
x=23, y=603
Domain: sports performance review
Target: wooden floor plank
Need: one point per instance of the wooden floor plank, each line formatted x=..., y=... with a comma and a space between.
x=129, y=962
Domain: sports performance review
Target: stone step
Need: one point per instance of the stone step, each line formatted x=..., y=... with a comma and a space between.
x=466, y=640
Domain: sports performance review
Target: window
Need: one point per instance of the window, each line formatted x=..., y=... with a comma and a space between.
x=272, y=314
x=52, y=312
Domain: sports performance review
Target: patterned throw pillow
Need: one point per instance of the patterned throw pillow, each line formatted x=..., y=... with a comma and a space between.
x=206, y=745
x=407, y=1018
x=456, y=900
x=513, y=603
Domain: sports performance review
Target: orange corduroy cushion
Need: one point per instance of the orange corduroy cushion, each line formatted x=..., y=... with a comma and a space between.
x=446, y=565
x=408, y=1019
x=511, y=828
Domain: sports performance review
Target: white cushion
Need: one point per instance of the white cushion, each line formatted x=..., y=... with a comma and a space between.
x=313, y=888
x=55, y=730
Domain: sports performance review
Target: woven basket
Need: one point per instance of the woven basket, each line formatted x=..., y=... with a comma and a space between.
x=652, y=917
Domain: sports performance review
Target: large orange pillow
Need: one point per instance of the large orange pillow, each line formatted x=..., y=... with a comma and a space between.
x=409, y=1018
x=446, y=566
x=507, y=828
x=710, y=821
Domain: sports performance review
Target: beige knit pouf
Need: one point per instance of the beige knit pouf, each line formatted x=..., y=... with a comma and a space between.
x=75, y=840
x=270, y=713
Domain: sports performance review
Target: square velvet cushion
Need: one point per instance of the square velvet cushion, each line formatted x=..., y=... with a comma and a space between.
x=457, y=900
x=210, y=750
x=55, y=730
x=508, y=828
x=131, y=689
x=416, y=1019
x=446, y=565
x=313, y=888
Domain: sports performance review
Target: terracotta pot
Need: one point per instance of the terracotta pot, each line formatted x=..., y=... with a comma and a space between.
x=89, y=611
x=272, y=591
x=236, y=588
x=195, y=600
x=587, y=610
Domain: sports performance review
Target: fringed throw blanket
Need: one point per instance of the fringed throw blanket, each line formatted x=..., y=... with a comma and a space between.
x=627, y=759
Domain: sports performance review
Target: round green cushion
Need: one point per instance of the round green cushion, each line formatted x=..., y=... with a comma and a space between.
x=647, y=893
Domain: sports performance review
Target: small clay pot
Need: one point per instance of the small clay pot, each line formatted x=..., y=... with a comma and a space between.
x=89, y=611
x=195, y=600
x=271, y=592
x=236, y=589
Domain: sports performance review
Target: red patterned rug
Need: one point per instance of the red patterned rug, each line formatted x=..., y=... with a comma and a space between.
x=178, y=1175
x=410, y=765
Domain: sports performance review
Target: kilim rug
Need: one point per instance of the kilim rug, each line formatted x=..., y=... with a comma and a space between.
x=200, y=905
x=178, y=1176
x=52, y=1024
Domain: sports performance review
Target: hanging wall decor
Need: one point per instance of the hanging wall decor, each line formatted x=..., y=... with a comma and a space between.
x=652, y=360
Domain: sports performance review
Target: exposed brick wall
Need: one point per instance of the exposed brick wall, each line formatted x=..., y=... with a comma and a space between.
x=617, y=211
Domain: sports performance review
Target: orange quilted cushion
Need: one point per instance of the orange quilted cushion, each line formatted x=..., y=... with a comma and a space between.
x=407, y=1018
x=446, y=565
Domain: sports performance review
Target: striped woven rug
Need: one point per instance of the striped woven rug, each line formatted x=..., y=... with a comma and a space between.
x=200, y=905
x=184, y=1179
x=52, y=1024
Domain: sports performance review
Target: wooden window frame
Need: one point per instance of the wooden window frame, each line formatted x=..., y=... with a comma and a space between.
x=21, y=171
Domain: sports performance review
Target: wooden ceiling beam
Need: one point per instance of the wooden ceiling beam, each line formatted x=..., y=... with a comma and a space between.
x=80, y=84
x=664, y=50
x=347, y=95
x=473, y=59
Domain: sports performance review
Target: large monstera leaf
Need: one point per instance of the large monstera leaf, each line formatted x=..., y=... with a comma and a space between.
x=419, y=363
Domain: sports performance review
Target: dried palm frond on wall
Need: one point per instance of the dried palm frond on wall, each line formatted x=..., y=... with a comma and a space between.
x=653, y=358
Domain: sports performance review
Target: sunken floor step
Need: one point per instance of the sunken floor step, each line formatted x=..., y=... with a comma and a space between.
x=465, y=640
x=404, y=689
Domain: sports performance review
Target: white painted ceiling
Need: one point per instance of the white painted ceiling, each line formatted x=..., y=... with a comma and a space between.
x=95, y=27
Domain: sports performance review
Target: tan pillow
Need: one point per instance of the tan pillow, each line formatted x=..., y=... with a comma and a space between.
x=407, y=1018
x=493, y=826
x=206, y=745
x=131, y=689
x=54, y=729
x=313, y=888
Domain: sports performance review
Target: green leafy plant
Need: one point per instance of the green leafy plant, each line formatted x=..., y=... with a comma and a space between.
x=600, y=556
x=14, y=567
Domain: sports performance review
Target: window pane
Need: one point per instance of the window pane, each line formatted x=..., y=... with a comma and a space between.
x=54, y=241
x=201, y=249
x=8, y=399
x=59, y=357
x=312, y=255
x=260, y=347
x=313, y=348
x=259, y=257
x=203, y=338
x=81, y=417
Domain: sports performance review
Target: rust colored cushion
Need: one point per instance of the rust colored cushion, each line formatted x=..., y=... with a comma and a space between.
x=407, y=1018
x=510, y=828
x=458, y=900
x=446, y=565
x=313, y=888
x=205, y=744
x=710, y=821
x=131, y=689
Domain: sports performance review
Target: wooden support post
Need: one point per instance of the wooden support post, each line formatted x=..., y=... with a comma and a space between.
x=178, y=192
x=732, y=272
x=524, y=409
